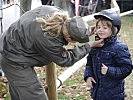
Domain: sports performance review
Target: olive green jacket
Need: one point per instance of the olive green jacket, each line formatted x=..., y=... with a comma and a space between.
x=26, y=44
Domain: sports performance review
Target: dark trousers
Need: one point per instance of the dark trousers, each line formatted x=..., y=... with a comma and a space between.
x=44, y=2
x=23, y=82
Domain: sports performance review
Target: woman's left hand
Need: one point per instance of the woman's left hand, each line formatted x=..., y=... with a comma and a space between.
x=104, y=69
x=98, y=43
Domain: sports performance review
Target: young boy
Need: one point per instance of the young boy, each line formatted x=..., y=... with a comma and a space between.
x=108, y=66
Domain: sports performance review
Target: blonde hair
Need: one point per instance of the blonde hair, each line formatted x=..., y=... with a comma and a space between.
x=55, y=25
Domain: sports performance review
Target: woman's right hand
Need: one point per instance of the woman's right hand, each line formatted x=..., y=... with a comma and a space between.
x=98, y=43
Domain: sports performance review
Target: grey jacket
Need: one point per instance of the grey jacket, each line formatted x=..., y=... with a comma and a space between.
x=26, y=44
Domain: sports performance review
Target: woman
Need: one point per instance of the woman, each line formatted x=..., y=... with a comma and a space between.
x=37, y=39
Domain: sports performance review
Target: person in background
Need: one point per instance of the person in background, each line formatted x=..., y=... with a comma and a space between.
x=46, y=2
x=37, y=39
x=109, y=65
x=1, y=73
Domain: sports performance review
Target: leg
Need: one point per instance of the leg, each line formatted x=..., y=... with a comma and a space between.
x=1, y=72
x=30, y=91
x=44, y=2
x=23, y=82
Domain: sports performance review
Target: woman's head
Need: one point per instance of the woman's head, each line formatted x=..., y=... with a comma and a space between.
x=54, y=25
x=78, y=30
x=73, y=29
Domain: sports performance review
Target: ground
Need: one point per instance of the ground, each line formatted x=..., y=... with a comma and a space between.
x=75, y=88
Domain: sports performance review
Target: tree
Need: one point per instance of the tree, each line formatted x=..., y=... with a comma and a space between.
x=25, y=6
x=65, y=5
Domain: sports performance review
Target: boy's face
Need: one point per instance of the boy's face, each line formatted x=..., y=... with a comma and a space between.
x=103, y=30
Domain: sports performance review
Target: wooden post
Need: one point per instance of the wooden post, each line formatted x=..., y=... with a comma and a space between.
x=25, y=5
x=51, y=81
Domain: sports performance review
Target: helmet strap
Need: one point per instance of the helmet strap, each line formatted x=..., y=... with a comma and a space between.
x=114, y=33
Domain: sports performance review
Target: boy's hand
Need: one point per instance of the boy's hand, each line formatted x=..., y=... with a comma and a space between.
x=90, y=81
x=104, y=69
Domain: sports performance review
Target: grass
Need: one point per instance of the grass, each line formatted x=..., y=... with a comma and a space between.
x=127, y=37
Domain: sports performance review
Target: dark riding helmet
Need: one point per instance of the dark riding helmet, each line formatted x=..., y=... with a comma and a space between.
x=112, y=16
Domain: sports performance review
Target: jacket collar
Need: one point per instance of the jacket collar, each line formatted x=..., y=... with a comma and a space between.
x=110, y=41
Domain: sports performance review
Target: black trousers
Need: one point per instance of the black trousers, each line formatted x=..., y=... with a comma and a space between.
x=44, y=2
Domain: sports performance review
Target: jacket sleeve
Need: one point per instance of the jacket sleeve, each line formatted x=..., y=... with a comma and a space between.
x=89, y=66
x=67, y=58
x=123, y=64
x=51, y=49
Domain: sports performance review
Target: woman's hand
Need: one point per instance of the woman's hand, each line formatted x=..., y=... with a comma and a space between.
x=90, y=81
x=98, y=43
x=104, y=69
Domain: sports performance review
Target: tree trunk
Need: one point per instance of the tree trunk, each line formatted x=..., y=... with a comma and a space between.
x=25, y=6
x=65, y=5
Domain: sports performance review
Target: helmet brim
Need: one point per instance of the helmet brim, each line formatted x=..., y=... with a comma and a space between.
x=102, y=16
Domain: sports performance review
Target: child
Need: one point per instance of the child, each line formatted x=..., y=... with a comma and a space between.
x=108, y=66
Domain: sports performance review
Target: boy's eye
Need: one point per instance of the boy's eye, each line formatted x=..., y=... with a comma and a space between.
x=105, y=27
x=98, y=27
